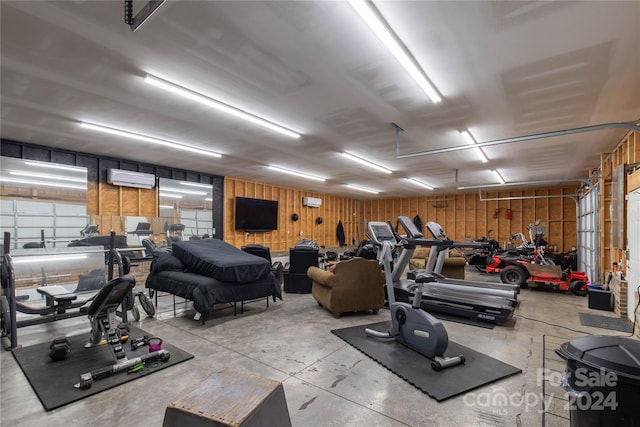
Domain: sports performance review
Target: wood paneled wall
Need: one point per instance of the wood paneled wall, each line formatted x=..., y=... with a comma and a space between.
x=626, y=152
x=333, y=209
x=109, y=204
x=473, y=215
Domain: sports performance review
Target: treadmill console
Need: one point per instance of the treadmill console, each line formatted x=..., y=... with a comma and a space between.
x=410, y=227
x=436, y=231
x=380, y=232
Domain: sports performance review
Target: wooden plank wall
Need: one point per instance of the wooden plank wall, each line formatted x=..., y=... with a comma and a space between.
x=463, y=216
x=109, y=204
x=626, y=152
x=333, y=209
x=468, y=216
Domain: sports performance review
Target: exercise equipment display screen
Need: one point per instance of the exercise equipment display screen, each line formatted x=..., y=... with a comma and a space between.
x=381, y=232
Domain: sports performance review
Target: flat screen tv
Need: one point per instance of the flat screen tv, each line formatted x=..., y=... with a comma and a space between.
x=256, y=214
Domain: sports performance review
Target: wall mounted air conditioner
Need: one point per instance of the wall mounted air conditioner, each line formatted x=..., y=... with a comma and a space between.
x=312, y=202
x=131, y=179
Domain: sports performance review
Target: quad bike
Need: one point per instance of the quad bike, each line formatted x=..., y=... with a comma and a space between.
x=554, y=277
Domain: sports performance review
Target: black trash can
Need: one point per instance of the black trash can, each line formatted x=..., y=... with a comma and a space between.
x=603, y=381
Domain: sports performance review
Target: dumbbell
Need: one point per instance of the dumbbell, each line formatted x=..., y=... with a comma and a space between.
x=60, y=349
x=139, y=342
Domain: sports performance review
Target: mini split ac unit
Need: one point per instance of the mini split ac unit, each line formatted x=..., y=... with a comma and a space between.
x=131, y=179
x=312, y=202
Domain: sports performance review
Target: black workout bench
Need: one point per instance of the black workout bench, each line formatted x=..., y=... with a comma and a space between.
x=57, y=297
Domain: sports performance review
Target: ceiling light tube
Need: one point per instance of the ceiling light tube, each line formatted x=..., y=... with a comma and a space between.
x=296, y=173
x=56, y=166
x=374, y=20
x=165, y=207
x=419, y=183
x=47, y=176
x=366, y=190
x=43, y=183
x=195, y=184
x=218, y=105
x=466, y=135
x=144, y=138
x=48, y=258
x=500, y=178
x=179, y=190
x=171, y=196
x=365, y=162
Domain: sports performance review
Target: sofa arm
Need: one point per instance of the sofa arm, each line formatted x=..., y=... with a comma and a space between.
x=322, y=277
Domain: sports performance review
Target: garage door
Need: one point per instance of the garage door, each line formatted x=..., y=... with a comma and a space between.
x=589, y=234
x=633, y=242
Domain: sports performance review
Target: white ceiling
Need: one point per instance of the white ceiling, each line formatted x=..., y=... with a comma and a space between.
x=504, y=69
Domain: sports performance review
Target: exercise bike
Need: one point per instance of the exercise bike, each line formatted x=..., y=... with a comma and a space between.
x=410, y=325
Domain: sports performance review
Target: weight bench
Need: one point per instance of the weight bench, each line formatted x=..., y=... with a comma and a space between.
x=104, y=324
x=57, y=296
x=58, y=300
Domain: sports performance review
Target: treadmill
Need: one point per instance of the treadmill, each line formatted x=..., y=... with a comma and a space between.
x=473, y=303
x=436, y=260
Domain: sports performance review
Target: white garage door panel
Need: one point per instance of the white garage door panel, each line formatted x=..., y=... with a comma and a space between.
x=589, y=234
x=633, y=245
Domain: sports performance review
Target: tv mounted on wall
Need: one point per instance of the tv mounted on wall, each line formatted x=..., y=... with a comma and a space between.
x=256, y=214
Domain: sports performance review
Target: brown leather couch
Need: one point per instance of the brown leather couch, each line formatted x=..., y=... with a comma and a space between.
x=353, y=285
x=452, y=268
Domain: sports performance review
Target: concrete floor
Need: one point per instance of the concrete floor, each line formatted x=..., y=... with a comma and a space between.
x=326, y=381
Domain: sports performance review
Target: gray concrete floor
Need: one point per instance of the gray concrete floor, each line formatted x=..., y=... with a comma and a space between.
x=326, y=381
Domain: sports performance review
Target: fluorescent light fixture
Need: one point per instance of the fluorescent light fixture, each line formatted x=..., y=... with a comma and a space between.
x=497, y=174
x=171, y=196
x=366, y=190
x=179, y=190
x=380, y=27
x=56, y=166
x=48, y=258
x=296, y=173
x=195, y=184
x=43, y=183
x=419, y=183
x=47, y=176
x=218, y=105
x=165, y=207
x=144, y=138
x=208, y=199
x=365, y=162
x=471, y=141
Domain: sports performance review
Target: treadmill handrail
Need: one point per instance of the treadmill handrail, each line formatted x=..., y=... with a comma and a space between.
x=422, y=241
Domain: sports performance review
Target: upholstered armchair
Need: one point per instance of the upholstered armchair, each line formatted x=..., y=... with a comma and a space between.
x=452, y=268
x=353, y=285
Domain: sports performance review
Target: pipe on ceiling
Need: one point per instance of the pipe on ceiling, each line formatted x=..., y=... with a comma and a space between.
x=626, y=125
x=551, y=196
x=527, y=183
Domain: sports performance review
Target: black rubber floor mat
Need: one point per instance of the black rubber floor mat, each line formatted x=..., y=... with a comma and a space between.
x=605, y=322
x=53, y=381
x=414, y=368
